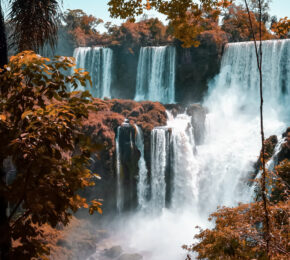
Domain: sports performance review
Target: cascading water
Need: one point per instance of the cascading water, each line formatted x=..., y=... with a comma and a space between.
x=120, y=192
x=98, y=62
x=233, y=143
x=142, y=188
x=239, y=74
x=173, y=165
x=184, y=165
x=156, y=74
x=159, y=146
x=217, y=172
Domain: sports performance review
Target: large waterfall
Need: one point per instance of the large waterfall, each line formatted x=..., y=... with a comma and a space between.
x=239, y=74
x=98, y=62
x=156, y=74
x=189, y=181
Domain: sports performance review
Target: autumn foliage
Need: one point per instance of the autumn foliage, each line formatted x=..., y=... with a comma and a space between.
x=282, y=28
x=239, y=231
x=40, y=126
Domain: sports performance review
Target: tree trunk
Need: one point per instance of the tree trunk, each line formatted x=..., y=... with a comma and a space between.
x=5, y=239
x=259, y=56
x=3, y=41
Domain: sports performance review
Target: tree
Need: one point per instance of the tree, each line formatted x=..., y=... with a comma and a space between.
x=3, y=42
x=78, y=18
x=236, y=25
x=41, y=123
x=259, y=56
x=34, y=23
x=83, y=27
x=281, y=28
x=185, y=16
x=264, y=5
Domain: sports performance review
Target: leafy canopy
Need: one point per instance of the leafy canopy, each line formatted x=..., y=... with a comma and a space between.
x=40, y=126
x=186, y=16
x=282, y=28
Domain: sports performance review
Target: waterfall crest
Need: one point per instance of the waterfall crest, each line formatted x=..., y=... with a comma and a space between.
x=156, y=74
x=239, y=73
x=98, y=62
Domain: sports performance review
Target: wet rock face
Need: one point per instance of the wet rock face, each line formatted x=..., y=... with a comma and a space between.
x=125, y=63
x=129, y=157
x=130, y=257
x=270, y=144
x=113, y=252
x=197, y=66
x=198, y=116
x=102, y=126
x=285, y=151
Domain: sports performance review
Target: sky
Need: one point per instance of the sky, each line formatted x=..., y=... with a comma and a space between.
x=99, y=9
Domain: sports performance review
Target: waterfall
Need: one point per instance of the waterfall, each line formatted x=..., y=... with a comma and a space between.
x=120, y=192
x=142, y=177
x=197, y=178
x=174, y=168
x=233, y=143
x=156, y=74
x=239, y=74
x=98, y=62
x=184, y=165
x=159, y=153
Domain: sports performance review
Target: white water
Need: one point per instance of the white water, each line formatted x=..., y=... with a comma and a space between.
x=218, y=173
x=98, y=62
x=156, y=74
x=120, y=192
x=142, y=187
x=184, y=165
x=159, y=146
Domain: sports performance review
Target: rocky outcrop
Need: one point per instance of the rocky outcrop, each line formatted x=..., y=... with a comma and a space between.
x=125, y=63
x=195, y=67
x=285, y=149
x=129, y=156
x=198, y=116
x=280, y=164
x=270, y=144
x=102, y=125
x=118, y=118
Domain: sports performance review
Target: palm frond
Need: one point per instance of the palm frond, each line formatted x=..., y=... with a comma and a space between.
x=34, y=23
